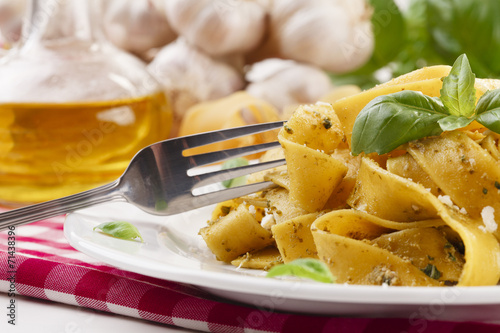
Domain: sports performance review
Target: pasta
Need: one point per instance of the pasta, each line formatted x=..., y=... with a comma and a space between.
x=421, y=215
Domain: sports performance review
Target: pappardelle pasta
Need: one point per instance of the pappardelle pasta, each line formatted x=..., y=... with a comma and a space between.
x=423, y=214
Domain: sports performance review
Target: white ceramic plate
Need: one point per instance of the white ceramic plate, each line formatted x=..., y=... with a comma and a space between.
x=173, y=250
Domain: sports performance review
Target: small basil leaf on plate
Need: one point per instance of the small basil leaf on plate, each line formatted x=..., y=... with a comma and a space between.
x=304, y=268
x=458, y=93
x=488, y=110
x=120, y=229
x=451, y=123
x=234, y=163
x=389, y=121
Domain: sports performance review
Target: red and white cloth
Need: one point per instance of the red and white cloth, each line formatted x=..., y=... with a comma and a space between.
x=45, y=266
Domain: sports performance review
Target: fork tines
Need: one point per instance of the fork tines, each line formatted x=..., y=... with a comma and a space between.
x=200, y=180
x=203, y=139
x=222, y=155
x=221, y=175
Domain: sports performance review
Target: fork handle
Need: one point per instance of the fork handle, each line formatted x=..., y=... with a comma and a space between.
x=44, y=210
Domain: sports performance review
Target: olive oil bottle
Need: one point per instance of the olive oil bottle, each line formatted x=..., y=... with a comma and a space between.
x=74, y=110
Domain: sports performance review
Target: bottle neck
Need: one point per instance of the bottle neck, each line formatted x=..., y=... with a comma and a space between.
x=62, y=22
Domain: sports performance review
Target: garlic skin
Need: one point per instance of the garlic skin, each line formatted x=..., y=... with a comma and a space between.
x=137, y=25
x=219, y=27
x=335, y=35
x=190, y=76
x=287, y=83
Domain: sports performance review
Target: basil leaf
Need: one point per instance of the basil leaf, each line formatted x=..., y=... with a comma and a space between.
x=488, y=110
x=234, y=163
x=451, y=123
x=458, y=93
x=305, y=268
x=120, y=229
x=391, y=120
x=490, y=120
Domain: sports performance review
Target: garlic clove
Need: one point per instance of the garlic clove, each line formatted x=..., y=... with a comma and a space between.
x=334, y=35
x=137, y=26
x=190, y=76
x=285, y=83
x=219, y=27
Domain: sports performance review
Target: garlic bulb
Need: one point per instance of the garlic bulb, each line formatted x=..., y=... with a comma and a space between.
x=285, y=83
x=335, y=35
x=218, y=27
x=137, y=25
x=190, y=76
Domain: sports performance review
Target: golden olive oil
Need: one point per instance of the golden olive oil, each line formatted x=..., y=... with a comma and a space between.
x=53, y=150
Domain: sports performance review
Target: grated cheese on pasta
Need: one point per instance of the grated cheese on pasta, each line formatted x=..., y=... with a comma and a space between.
x=488, y=216
x=268, y=221
x=445, y=199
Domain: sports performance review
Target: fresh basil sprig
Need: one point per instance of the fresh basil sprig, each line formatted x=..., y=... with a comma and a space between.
x=304, y=268
x=120, y=229
x=391, y=120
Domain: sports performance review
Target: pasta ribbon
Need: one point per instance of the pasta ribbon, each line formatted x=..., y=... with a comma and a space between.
x=343, y=242
x=311, y=135
x=463, y=170
x=236, y=233
x=379, y=192
x=313, y=175
x=294, y=238
x=482, y=250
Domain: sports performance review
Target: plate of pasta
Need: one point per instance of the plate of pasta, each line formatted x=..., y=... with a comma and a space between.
x=173, y=250
x=394, y=191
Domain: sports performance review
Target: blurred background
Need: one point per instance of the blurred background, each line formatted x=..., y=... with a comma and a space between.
x=204, y=50
x=224, y=63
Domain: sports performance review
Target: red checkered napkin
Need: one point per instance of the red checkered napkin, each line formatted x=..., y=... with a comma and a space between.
x=45, y=266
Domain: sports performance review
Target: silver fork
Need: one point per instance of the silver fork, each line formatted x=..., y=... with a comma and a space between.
x=157, y=179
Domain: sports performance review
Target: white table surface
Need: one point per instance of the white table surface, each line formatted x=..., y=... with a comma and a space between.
x=41, y=316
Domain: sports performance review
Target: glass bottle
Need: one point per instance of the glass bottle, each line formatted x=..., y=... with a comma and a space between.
x=73, y=108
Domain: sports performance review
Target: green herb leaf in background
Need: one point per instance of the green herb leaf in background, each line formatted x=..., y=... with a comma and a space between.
x=466, y=26
x=389, y=121
x=458, y=93
x=389, y=31
x=120, y=229
x=430, y=32
x=234, y=163
x=418, y=50
x=304, y=268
